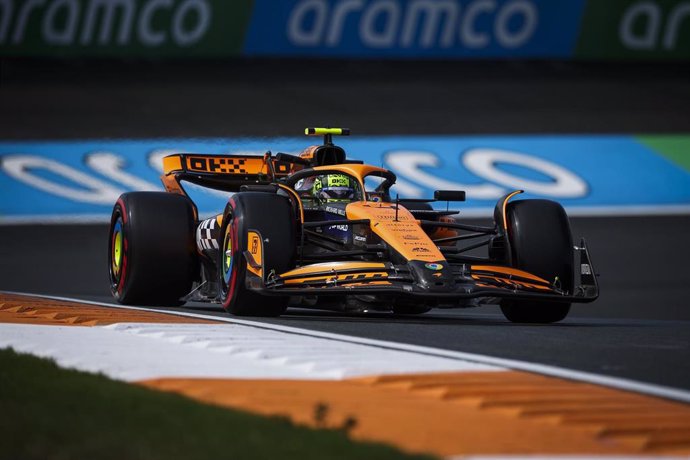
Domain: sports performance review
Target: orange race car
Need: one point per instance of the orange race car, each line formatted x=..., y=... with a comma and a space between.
x=321, y=231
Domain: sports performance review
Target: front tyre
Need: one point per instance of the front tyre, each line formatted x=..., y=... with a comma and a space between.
x=541, y=244
x=271, y=217
x=151, y=249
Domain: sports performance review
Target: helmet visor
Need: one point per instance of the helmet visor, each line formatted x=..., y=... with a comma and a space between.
x=337, y=193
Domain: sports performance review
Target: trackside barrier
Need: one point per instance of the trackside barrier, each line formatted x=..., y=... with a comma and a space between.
x=590, y=175
x=123, y=28
x=393, y=29
x=414, y=29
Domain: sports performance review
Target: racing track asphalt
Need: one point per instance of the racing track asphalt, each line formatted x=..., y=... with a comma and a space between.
x=638, y=329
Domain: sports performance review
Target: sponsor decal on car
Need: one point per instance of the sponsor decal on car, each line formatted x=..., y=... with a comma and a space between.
x=255, y=246
x=432, y=266
x=334, y=210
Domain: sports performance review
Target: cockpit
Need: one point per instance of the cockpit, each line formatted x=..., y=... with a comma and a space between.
x=316, y=188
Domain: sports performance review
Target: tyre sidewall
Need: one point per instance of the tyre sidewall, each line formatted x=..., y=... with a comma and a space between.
x=228, y=288
x=247, y=212
x=118, y=282
x=541, y=244
x=159, y=254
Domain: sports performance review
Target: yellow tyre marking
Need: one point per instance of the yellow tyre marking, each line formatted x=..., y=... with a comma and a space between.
x=117, y=253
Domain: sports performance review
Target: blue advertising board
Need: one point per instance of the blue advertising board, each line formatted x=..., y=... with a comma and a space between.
x=76, y=181
x=414, y=28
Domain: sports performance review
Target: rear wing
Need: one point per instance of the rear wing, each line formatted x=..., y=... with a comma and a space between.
x=223, y=172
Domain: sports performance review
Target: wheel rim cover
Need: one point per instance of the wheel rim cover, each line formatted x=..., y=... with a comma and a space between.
x=227, y=256
x=117, y=250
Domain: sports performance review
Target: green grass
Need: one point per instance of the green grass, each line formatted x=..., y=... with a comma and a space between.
x=674, y=147
x=51, y=413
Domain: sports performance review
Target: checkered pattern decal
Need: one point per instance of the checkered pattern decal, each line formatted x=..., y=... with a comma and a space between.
x=219, y=164
x=237, y=166
x=207, y=234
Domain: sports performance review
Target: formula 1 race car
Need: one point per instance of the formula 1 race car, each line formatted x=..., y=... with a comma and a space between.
x=319, y=230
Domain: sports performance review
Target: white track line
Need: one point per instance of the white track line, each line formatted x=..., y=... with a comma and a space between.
x=142, y=351
x=544, y=369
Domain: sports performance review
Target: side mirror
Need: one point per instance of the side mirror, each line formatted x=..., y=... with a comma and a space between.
x=449, y=195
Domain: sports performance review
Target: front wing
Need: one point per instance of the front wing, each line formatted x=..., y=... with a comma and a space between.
x=471, y=282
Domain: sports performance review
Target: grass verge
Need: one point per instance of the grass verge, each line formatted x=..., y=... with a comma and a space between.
x=47, y=412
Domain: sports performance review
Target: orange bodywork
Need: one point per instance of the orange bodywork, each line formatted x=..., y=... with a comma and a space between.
x=335, y=266
x=371, y=272
x=355, y=278
x=172, y=163
x=444, y=232
x=217, y=164
x=497, y=269
x=404, y=234
x=358, y=171
x=308, y=153
x=223, y=165
x=256, y=249
x=397, y=227
x=172, y=185
x=504, y=276
x=266, y=167
x=506, y=282
x=505, y=206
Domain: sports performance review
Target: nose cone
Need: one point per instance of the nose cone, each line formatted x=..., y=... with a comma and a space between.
x=432, y=276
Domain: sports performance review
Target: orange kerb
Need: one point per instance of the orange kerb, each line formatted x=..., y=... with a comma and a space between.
x=465, y=413
x=35, y=310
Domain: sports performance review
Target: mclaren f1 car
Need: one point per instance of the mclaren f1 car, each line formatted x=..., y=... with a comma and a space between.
x=319, y=230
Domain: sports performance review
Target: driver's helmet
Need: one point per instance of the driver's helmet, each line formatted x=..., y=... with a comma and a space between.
x=333, y=188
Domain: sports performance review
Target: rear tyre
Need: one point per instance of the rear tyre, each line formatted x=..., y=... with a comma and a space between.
x=151, y=249
x=272, y=217
x=541, y=244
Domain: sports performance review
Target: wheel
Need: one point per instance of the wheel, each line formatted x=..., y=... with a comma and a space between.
x=541, y=244
x=270, y=216
x=151, y=248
